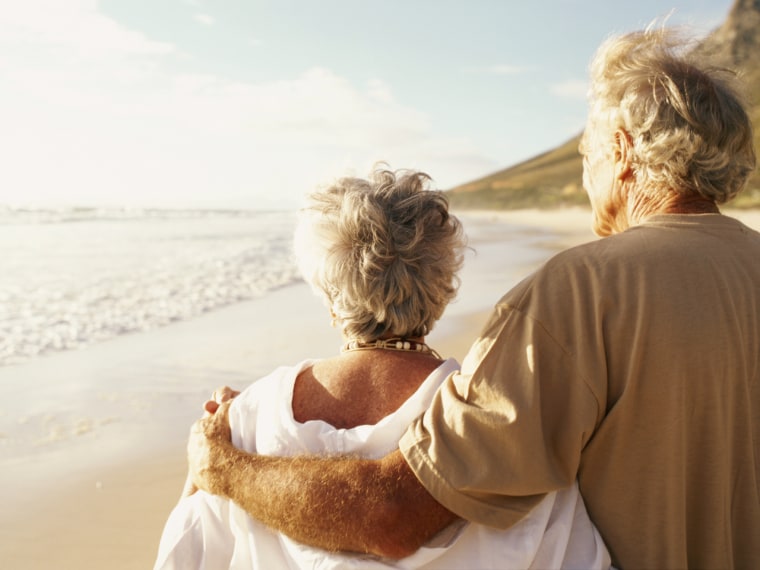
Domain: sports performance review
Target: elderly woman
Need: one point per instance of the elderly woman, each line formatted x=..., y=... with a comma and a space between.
x=631, y=363
x=384, y=254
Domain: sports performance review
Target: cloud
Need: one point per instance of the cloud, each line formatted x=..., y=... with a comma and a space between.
x=571, y=89
x=74, y=25
x=498, y=69
x=102, y=115
x=205, y=19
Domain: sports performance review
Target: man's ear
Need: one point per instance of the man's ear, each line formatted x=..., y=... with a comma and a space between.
x=623, y=154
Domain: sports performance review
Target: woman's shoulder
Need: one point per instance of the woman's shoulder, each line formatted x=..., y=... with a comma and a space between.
x=278, y=382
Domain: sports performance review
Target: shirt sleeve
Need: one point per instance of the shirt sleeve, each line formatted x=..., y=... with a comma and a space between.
x=508, y=428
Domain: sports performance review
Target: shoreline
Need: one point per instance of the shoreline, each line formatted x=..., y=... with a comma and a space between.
x=93, y=483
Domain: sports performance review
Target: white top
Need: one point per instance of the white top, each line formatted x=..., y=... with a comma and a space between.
x=208, y=532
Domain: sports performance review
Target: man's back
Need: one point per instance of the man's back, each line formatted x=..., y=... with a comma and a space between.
x=679, y=319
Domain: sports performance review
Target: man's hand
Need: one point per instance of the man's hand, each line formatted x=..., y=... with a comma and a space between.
x=220, y=395
x=198, y=448
x=209, y=436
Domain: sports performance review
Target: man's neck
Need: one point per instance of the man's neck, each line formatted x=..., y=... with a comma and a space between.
x=692, y=206
x=641, y=207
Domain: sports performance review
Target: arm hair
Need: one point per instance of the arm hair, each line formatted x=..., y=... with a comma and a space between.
x=334, y=503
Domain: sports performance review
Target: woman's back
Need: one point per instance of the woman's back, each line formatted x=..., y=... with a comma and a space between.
x=360, y=387
x=360, y=405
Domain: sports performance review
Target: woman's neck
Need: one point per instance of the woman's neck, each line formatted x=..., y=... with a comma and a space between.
x=414, y=345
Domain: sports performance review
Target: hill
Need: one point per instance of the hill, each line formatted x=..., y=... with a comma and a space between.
x=554, y=178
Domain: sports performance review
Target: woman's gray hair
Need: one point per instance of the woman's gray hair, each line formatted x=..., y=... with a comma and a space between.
x=385, y=253
x=690, y=130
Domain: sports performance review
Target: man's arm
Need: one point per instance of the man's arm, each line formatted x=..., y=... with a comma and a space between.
x=334, y=503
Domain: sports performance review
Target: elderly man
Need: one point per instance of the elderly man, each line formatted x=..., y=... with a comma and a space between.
x=631, y=363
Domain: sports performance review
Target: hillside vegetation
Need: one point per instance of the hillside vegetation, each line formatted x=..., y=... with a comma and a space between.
x=554, y=178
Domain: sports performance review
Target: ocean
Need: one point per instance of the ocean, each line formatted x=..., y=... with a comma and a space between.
x=74, y=277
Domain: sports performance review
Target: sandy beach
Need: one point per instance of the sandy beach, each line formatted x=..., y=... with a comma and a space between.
x=93, y=458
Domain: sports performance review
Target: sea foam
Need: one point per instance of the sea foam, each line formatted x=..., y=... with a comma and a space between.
x=72, y=277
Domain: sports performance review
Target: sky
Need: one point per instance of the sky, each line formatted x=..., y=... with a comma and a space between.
x=253, y=103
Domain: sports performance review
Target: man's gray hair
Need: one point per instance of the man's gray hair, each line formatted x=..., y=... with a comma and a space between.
x=689, y=126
